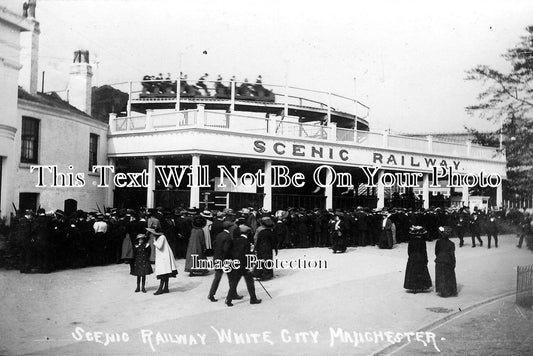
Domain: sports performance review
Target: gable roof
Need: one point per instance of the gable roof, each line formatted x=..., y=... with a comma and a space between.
x=52, y=100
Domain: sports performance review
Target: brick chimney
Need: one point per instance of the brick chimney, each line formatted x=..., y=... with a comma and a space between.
x=29, y=53
x=80, y=82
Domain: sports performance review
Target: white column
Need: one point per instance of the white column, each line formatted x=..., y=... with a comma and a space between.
x=110, y=193
x=430, y=143
x=128, y=107
x=267, y=190
x=200, y=118
x=178, y=88
x=194, y=201
x=8, y=193
x=499, y=195
x=385, y=139
x=332, y=135
x=425, y=190
x=112, y=122
x=329, y=108
x=328, y=190
x=380, y=191
x=149, y=121
x=232, y=105
x=150, y=194
x=465, y=197
x=272, y=128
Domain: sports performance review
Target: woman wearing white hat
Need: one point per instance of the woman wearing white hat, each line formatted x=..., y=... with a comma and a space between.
x=165, y=265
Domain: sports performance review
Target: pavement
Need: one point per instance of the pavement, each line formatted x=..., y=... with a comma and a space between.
x=356, y=306
x=499, y=327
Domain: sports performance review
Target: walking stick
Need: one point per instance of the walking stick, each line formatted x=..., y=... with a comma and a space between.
x=264, y=288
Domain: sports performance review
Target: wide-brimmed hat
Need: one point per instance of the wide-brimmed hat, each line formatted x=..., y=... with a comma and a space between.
x=156, y=231
x=199, y=221
x=140, y=236
x=206, y=214
x=417, y=230
x=267, y=222
x=339, y=213
x=281, y=214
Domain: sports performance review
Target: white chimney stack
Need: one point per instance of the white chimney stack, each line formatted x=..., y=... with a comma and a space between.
x=80, y=82
x=29, y=53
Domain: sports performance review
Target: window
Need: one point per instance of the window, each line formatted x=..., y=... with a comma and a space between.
x=30, y=140
x=28, y=201
x=93, y=151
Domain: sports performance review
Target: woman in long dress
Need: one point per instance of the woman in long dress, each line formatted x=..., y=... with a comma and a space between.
x=264, y=247
x=337, y=230
x=165, y=265
x=417, y=276
x=196, y=246
x=445, y=282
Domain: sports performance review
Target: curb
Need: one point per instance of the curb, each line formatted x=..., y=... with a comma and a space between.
x=428, y=327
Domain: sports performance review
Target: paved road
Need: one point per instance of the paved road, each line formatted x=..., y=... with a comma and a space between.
x=346, y=309
x=497, y=328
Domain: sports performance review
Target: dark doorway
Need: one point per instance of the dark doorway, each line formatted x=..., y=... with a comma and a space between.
x=70, y=206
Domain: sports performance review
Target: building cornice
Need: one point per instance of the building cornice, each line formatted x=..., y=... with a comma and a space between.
x=13, y=20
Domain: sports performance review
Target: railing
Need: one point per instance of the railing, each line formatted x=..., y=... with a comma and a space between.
x=274, y=125
x=482, y=152
x=371, y=139
x=167, y=90
x=449, y=148
x=413, y=144
x=296, y=129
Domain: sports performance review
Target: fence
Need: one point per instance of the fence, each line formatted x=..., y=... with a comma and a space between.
x=525, y=203
x=524, y=286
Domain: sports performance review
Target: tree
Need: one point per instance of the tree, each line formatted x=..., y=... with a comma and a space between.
x=507, y=98
x=106, y=100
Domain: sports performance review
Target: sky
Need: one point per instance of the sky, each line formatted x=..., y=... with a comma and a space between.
x=409, y=58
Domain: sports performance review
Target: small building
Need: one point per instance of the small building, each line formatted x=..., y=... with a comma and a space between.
x=38, y=129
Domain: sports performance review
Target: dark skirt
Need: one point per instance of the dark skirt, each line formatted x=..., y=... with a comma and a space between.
x=385, y=239
x=173, y=274
x=417, y=275
x=338, y=242
x=445, y=282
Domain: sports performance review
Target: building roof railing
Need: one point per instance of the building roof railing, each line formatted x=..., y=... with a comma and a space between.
x=290, y=127
x=241, y=96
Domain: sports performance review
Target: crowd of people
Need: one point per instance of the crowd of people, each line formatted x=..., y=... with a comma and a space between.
x=160, y=85
x=84, y=239
x=45, y=242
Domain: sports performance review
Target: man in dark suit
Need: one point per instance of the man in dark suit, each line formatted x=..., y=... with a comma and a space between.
x=25, y=241
x=475, y=229
x=240, y=247
x=221, y=251
x=492, y=231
